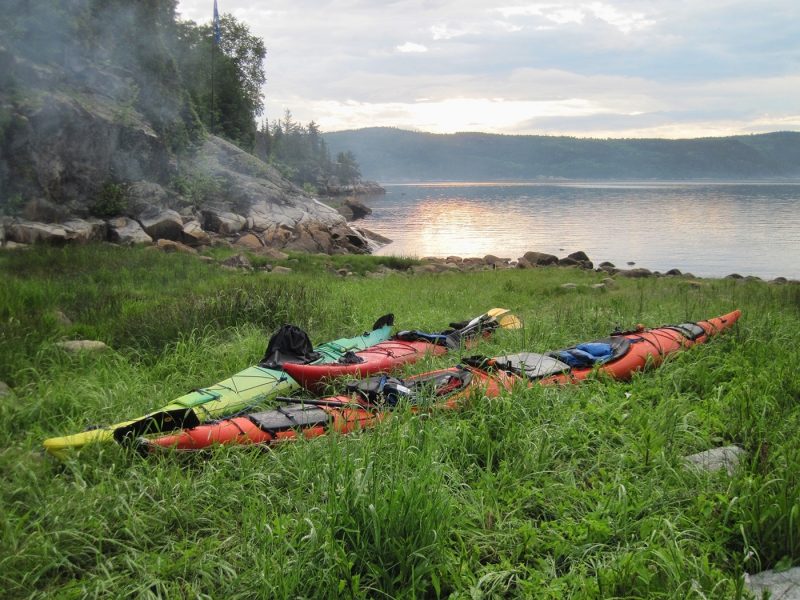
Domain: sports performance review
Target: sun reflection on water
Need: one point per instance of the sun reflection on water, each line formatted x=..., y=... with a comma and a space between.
x=707, y=229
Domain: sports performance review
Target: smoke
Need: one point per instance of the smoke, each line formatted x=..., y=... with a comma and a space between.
x=98, y=80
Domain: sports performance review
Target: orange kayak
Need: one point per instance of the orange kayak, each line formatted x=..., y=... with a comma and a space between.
x=370, y=401
x=346, y=413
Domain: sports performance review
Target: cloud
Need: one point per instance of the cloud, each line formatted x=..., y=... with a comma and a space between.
x=445, y=32
x=619, y=65
x=626, y=22
x=411, y=47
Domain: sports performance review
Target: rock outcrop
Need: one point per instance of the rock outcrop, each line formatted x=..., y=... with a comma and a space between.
x=354, y=209
x=78, y=142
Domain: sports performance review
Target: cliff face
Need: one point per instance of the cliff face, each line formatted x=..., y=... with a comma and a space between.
x=62, y=142
x=84, y=135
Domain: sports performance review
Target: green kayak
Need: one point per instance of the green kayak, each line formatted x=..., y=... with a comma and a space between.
x=242, y=391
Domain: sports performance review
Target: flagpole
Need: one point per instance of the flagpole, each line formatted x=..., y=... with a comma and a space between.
x=215, y=37
x=213, y=45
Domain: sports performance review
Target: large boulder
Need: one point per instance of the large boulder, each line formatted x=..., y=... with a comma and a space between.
x=161, y=223
x=540, y=259
x=223, y=221
x=580, y=256
x=123, y=230
x=250, y=241
x=354, y=209
x=193, y=234
x=29, y=232
x=637, y=273
x=780, y=585
x=82, y=231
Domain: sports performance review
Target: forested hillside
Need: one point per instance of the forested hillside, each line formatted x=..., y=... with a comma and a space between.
x=388, y=154
x=109, y=122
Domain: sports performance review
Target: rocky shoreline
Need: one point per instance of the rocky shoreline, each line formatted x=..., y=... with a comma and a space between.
x=166, y=228
x=167, y=231
x=576, y=260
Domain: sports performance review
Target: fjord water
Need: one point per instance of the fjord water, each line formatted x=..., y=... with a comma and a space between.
x=708, y=229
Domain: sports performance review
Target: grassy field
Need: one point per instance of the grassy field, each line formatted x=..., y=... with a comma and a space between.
x=542, y=493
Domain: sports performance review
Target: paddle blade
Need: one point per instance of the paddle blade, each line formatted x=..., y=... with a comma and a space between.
x=510, y=322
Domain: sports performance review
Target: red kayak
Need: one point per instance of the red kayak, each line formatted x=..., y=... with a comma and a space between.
x=369, y=401
x=381, y=358
x=403, y=349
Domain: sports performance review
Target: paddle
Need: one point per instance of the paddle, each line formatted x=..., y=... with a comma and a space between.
x=491, y=319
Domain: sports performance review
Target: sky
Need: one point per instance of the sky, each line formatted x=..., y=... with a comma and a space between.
x=599, y=69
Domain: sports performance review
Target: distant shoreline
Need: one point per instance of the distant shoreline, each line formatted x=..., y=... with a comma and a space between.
x=592, y=182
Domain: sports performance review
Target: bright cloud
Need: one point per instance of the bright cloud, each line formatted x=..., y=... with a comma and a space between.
x=410, y=47
x=445, y=32
x=454, y=114
x=624, y=21
x=564, y=14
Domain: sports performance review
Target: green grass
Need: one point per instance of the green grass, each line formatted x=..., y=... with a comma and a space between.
x=545, y=493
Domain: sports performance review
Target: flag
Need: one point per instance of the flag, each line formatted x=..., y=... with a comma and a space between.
x=217, y=32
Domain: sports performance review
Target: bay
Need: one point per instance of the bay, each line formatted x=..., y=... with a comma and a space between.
x=708, y=229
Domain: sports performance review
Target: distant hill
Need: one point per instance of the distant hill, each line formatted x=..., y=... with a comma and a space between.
x=393, y=155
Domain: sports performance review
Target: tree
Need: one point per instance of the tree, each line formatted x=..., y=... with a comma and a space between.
x=347, y=169
x=238, y=76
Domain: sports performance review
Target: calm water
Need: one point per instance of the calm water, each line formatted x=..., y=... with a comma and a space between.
x=707, y=229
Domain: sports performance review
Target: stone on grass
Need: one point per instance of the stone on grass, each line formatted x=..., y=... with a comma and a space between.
x=784, y=585
x=726, y=457
x=75, y=346
x=15, y=246
x=281, y=270
x=250, y=241
x=172, y=246
x=609, y=282
x=238, y=261
x=5, y=390
x=568, y=286
x=273, y=253
x=598, y=286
